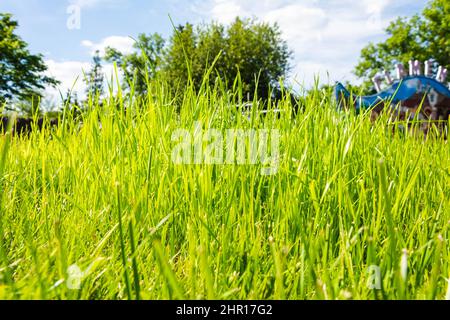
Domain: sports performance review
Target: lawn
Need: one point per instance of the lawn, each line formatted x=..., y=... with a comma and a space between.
x=98, y=209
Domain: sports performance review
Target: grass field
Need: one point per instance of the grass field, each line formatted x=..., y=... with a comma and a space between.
x=349, y=197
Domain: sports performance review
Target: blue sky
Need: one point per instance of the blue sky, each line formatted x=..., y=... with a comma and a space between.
x=325, y=35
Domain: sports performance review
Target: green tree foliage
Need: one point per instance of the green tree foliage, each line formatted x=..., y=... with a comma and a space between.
x=142, y=63
x=421, y=37
x=95, y=77
x=181, y=57
x=71, y=101
x=21, y=73
x=251, y=50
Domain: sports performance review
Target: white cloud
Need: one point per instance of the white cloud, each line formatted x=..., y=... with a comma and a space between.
x=326, y=36
x=123, y=44
x=375, y=6
x=299, y=21
x=71, y=74
x=225, y=11
x=87, y=43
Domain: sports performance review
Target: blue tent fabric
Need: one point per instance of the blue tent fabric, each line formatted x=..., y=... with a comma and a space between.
x=400, y=90
x=412, y=98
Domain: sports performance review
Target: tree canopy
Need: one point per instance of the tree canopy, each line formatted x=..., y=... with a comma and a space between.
x=250, y=50
x=423, y=37
x=95, y=77
x=21, y=73
x=140, y=65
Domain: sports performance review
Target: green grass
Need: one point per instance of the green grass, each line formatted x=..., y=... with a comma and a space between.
x=348, y=194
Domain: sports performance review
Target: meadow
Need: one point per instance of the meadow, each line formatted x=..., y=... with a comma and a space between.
x=98, y=210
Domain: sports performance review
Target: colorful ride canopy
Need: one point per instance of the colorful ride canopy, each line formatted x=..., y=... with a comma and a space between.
x=416, y=88
x=414, y=96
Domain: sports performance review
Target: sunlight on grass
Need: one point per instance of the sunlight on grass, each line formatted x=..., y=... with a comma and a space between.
x=348, y=194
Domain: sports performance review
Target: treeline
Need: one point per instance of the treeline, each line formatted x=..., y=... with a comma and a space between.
x=248, y=57
x=247, y=54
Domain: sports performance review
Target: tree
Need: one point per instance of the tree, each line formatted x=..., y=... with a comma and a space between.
x=420, y=37
x=251, y=50
x=21, y=73
x=180, y=58
x=142, y=63
x=70, y=101
x=95, y=77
